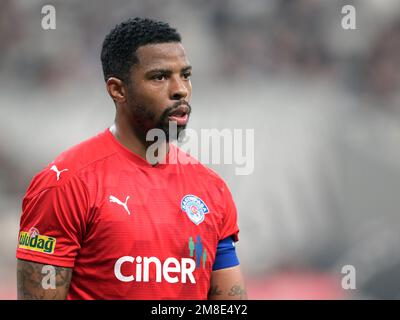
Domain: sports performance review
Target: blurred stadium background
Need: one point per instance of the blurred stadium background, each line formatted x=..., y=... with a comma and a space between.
x=324, y=103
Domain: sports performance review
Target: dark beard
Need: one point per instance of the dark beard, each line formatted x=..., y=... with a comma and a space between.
x=171, y=133
x=144, y=120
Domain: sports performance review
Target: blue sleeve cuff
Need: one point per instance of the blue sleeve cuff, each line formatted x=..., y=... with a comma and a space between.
x=226, y=254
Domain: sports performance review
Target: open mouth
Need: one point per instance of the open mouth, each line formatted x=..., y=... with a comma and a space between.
x=180, y=115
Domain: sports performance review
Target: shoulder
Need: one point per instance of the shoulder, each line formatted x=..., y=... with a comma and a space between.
x=68, y=166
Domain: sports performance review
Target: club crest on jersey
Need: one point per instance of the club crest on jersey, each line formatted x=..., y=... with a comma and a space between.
x=194, y=207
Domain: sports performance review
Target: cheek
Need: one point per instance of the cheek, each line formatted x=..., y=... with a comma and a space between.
x=149, y=96
x=189, y=89
x=152, y=100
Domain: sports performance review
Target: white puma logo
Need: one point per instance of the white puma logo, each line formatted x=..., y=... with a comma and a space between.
x=54, y=168
x=119, y=202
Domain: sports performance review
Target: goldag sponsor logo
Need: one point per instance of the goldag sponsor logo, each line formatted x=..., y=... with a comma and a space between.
x=171, y=270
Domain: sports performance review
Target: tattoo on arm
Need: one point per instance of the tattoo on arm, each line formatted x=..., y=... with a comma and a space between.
x=227, y=284
x=238, y=291
x=214, y=291
x=30, y=280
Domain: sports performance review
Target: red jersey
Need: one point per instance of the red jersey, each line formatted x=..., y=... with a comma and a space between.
x=128, y=229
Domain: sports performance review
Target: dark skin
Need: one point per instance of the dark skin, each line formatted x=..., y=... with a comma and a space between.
x=29, y=282
x=158, y=81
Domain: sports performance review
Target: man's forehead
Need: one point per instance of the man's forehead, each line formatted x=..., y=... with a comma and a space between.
x=155, y=55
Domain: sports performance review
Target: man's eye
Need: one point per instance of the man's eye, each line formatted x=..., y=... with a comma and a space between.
x=159, y=77
x=187, y=75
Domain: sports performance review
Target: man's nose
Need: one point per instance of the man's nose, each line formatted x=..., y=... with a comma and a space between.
x=178, y=89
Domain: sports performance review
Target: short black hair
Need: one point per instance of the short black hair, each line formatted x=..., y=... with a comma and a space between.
x=118, y=53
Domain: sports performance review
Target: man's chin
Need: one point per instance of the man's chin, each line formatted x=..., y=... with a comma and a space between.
x=173, y=135
x=172, y=130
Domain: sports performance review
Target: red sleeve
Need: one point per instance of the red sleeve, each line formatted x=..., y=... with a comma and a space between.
x=53, y=222
x=230, y=225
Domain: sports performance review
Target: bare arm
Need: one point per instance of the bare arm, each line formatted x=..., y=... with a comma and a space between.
x=227, y=284
x=36, y=281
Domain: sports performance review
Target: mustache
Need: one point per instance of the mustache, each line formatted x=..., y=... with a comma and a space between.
x=174, y=106
x=178, y=104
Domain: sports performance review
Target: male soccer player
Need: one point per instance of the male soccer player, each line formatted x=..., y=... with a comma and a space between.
x=102, y=222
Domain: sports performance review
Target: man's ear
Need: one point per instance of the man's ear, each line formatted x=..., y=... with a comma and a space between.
x=116, y=89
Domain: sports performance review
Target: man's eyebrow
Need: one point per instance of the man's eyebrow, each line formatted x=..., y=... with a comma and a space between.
x=187, y=68
x=167, y=71
x=158, y=70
